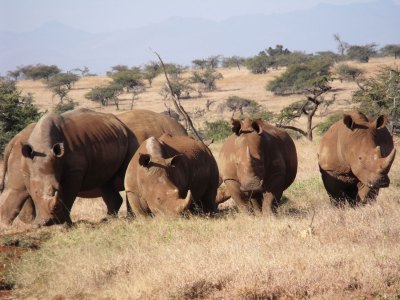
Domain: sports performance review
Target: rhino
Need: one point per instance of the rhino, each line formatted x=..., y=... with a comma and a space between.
x=171, y=175
x=354, y=157
x=84, y=153
x=12, y=187
x=257, y=163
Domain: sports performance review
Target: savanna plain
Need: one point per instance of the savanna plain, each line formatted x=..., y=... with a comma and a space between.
x=308, y=250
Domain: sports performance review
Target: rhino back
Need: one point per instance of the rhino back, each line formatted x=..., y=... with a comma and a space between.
x=145, y=123
x=285, y=146
x=97, y=144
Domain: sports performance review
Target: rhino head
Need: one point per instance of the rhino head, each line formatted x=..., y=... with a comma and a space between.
x=161, y=179
x=43, y=161
x=249, y=154
x=367, y=150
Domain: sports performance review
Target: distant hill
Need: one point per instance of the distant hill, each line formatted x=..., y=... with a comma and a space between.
x=181, y=40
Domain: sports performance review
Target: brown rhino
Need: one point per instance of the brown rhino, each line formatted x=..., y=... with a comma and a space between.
x=10, y=205
x=12, y=187
x=170, y=175
x=257, y=163
x=77, y=152
x=355, y=156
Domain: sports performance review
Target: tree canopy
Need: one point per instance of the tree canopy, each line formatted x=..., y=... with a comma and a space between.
x=16, y=112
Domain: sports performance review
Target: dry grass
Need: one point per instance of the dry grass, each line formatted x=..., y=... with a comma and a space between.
x=308, y=250
x=345, y=254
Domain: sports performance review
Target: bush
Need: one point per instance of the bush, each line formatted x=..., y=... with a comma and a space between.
x=40, y=71
x=300, y=78
x=63, y=107
x=218, y=130
x=380, y=95
x=248, y=107
x=105, y=94
x=207, y=78
x=325, y=125
x=16, y=112
x=347, y=72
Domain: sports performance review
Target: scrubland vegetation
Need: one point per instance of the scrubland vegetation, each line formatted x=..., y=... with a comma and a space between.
x=309, y=249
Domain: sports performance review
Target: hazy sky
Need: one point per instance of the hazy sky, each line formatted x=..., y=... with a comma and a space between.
x=109, y=15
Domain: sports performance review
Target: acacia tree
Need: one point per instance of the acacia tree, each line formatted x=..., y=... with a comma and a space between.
x=349, y=73
x=381, y=95
x=150, y=71
x=40, y=71
x=128, y=79
x=207, y=78
x=105, y=94
x=61, y=84
x=200, y=63
x=311, y=80
x=361, y=53
x=391, y=50
x=233, y=61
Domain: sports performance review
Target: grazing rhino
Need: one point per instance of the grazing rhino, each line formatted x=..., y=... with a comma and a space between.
x=77, y=151
x=10, y=205
x=170, y=175
x=257, y=163
x=355, y=156
x=94, y=141
x=12, y=187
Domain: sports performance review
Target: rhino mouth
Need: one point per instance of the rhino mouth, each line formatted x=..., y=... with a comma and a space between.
x=381, y=183
x=254, y=186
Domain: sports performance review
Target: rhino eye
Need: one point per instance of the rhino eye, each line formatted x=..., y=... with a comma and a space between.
x=360, y=158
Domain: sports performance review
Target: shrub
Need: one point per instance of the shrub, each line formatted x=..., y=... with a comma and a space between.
x=16, y=112
x=63, y=107
x=300, y=78
x=218, y=130
x=347, y=72
x=380, y=95
x=325, y=125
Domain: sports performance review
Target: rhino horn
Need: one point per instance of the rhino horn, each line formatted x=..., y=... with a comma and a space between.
x=387, y=161
x=248, y=155
x=183, y=204
x=378, y=152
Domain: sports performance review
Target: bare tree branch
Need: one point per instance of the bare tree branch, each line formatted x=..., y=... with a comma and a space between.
x=179, y=108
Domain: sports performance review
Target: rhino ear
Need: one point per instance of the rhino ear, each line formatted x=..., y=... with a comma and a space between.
x=348, y=121
x=257, y=126
x=58, y=149
x=236, y=125
x=381, y=121
x=27, y=151
x=144, y=159
x=173, y=161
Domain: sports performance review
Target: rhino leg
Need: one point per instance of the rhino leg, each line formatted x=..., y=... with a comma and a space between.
x=11, y=204
x=338, y=191
x=366, y=195
x=234, y=190
x=270, y=202
x=28, y=211
x=112, y=199
x=138, y=208
x=208, y=201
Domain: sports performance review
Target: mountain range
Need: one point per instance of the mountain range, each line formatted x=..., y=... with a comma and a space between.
x=180, y=39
